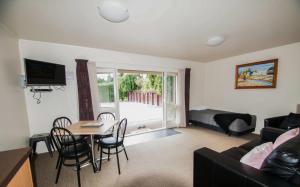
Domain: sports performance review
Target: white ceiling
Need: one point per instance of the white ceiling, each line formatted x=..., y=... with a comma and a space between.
x=167, y=28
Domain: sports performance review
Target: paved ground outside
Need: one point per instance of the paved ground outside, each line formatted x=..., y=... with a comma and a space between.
x=141, y=115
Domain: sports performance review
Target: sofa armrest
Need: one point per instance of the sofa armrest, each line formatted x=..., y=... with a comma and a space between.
x=274, y=122
x=212, y=169
x=269, y=134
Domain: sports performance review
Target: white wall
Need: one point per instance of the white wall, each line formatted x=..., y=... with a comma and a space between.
x=13, y=118
x=219, y=91
x=212, y=84
x=65, y=103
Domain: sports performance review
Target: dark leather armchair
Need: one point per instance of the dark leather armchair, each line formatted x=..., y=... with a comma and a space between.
x=274, y=122
x=213, y=169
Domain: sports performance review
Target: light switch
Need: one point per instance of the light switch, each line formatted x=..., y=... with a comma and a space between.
x=69, y=75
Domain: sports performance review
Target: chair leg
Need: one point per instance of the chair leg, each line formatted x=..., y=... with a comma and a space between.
x=52, y=144
x=125, y=152
x=58, y=171
x=47, y=141
x=78, y=175
x=108, y=158
x=34, y=148
x=118, y=160
x=58, y=161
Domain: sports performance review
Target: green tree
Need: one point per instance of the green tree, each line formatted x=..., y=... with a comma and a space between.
x=106, y=87
x=128, y=83
x=132, y=82
x=153, y=83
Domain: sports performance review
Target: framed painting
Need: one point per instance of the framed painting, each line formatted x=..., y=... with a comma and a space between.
x=257, y=75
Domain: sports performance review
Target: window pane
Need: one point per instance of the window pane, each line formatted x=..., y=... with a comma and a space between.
x=171, y=99
x=171, y=86
x=106, y=89
x=171, y=112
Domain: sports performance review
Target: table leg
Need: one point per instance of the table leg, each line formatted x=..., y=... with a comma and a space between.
x=93, y=154
x=92, y=147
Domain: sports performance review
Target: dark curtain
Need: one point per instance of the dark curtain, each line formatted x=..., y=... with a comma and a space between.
x=187, y=93
x=84, y=91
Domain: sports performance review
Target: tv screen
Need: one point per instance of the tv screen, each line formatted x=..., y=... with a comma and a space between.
x=44, y=73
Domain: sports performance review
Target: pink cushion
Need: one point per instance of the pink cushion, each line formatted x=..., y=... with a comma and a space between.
x=257, y=155
x=285, y=137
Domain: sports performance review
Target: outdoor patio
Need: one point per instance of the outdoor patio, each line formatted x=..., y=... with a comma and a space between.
x=141, y=115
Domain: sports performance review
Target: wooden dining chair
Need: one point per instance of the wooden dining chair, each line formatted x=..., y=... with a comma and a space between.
x=72, y=153
x=114, y=142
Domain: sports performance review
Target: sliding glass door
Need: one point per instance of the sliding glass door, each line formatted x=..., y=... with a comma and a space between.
x=147, y=99
x=170, y=109
x=140, y=100
x=107, y=89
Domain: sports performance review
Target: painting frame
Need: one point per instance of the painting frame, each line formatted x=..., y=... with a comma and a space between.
x=273, y=82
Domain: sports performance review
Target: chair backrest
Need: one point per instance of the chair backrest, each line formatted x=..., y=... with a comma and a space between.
x=122, y=129
x=62, y=122
x=104, y=116
x=63, y=139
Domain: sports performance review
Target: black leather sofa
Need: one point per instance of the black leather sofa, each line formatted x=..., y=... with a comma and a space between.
x=274, y=122
x=213, y=169
x=283, y=122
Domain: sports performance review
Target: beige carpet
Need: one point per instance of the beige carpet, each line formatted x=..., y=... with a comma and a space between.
x=163, y=162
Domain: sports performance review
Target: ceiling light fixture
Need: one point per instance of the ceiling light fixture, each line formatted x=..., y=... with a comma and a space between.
x=215, y=41
x=113, y=11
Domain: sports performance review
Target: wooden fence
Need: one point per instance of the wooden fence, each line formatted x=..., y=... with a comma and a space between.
x=150, y=98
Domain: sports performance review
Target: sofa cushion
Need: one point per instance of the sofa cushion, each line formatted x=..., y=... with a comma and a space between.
x=234, y=153
x=291, y=121
x=257, y=155
x=285, y=137
x=284, y=161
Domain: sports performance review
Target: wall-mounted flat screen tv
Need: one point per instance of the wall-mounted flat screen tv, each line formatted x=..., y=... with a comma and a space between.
x=44, y=73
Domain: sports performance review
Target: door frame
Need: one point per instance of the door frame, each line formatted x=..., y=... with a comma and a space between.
x=164, y=75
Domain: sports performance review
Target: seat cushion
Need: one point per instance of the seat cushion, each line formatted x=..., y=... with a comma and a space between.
x=291, y=121
x=111, y=142
x=82, y=150
x=234, y=153
x=98, y=137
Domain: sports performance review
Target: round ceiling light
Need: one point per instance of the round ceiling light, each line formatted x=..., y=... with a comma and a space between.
x=113, y=11
x=215, y=41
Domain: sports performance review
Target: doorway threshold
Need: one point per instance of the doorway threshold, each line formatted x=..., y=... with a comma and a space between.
x=144, y=131
x=150, y=136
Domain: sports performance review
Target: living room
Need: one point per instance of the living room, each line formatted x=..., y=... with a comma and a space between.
x=236, y=61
